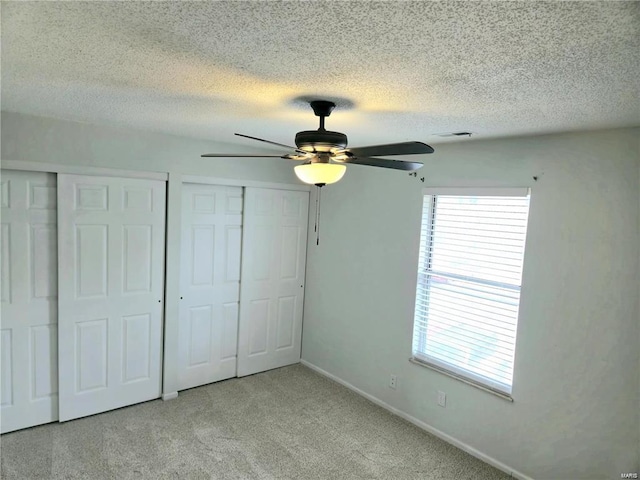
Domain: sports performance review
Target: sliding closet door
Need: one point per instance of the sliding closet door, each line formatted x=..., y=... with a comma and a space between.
x=272, y=288
x=29, y=337
x=111, y=257
x=210, y=283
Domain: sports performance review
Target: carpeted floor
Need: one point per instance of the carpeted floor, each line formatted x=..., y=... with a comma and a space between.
x=289, y=423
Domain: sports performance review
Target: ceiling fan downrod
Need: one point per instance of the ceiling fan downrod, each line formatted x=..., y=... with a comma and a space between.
x=322, y=109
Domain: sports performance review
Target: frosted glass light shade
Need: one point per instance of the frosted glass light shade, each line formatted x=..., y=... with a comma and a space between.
x=320, y=173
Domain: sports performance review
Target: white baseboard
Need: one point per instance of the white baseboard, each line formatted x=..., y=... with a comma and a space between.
x=169, y=396
x=419, y=423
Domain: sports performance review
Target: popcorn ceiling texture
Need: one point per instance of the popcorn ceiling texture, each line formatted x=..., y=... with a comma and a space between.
x=402, y=70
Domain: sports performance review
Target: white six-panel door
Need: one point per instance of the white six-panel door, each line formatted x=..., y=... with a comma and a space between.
x=210, y=283
x=111, y=257
x=28, y=337
x=272, y=287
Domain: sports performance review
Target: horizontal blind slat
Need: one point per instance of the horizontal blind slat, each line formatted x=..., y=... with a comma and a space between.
x=468, y=302
x=471, y=262
x=461, y=342
x=516, y=237
x=451, y=317
x=495, y=370
x=505, y=257
x=466, y=242
x=510, y=291
x=486, y=295
x=464, y=342
x=463, y=315
x=469, y=280
x=489, y=225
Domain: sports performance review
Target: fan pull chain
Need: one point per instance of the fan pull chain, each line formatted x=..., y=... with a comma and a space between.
x=318, y=202
x=315, y=228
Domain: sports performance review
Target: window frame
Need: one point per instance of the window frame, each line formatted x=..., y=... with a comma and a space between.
x=458, y=373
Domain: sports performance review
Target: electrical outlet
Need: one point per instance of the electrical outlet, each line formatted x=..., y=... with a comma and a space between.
x=392, y=381
x=442, y=399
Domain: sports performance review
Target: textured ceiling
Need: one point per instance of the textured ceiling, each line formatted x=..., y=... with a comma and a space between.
x=400, y=70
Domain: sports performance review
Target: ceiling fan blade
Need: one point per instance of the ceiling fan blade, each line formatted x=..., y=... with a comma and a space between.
x=242, y=155
x=404, y=148
x=381, y=162
x=272, y=143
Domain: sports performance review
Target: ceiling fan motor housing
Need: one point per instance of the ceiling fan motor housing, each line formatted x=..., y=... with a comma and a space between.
x=320, y=141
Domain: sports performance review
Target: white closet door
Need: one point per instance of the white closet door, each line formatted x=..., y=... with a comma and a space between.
x=272, y=287
x=29, y=336
x=111, y=254
x=210, y=283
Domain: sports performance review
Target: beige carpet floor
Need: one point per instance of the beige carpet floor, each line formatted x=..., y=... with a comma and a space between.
x=289, y=423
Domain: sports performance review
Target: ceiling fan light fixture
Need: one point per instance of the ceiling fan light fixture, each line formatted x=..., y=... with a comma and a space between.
x=320, y=173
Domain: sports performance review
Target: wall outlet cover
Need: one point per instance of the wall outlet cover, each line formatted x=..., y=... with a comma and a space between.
x=442, y=399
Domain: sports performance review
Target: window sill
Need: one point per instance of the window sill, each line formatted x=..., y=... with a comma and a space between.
x=421, y=363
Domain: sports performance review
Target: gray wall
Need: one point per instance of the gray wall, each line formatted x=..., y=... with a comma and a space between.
x=40, y=139
x=576, y=408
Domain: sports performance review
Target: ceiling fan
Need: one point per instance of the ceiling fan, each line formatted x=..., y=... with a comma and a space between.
x=325, y=153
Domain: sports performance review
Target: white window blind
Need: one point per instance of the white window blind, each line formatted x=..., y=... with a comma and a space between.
x=468, y=293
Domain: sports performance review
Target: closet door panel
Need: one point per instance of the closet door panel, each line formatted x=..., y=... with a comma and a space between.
x=210, y=283
x=111, y=252
x=29, y=334
x=272, y=288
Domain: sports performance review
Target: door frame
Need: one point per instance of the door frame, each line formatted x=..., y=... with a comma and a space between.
x=80, y=170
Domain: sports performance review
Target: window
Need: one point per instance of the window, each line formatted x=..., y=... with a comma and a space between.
x=469, y=276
